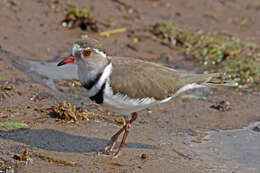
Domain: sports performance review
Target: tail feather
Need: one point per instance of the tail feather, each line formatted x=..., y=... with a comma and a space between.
x=209, y=80
x=217, y=80
x=222, y=83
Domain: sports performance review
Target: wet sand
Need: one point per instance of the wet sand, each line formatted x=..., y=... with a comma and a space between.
x=179, y=136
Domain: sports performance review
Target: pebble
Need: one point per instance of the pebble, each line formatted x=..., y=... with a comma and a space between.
x=144, y=156
x=256, y=128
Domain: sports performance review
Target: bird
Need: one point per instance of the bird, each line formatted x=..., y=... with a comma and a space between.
x=127, y=85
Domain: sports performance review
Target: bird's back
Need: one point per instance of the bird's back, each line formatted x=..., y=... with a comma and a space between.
x=142, y=79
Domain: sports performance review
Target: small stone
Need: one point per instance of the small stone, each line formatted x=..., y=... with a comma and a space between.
x=24, y=156
x=149, y=111
x=178, y=14
x=256, y=129
x=144, y=156
x=9, y=87
x=222, y=106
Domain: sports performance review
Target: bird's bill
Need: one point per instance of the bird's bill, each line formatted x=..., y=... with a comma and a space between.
x=69, y=59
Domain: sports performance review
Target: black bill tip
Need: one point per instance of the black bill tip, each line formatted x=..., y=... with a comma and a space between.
x=61, y=63
x=69, y=59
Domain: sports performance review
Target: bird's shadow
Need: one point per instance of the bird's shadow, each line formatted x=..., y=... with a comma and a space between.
x=54, y=140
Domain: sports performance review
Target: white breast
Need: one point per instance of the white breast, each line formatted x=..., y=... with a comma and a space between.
x=83, y=76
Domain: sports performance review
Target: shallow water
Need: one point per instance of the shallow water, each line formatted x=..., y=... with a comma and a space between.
x=241, y=145
x=234, y=150
x=51, y=72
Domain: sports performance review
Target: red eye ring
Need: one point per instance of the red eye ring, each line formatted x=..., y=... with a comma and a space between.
x=87, y=52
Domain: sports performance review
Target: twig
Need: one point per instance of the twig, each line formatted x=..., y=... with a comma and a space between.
x=181, y=154
x=108, y=33
x=54, y=160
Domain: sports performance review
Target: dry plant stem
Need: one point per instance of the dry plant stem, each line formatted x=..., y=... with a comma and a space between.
x=114, y=138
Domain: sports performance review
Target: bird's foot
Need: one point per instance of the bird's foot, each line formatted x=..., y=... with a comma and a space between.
x=104, y=154
x=108, y=154
x=110, y=146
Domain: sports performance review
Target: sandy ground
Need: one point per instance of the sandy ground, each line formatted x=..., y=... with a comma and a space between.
x=31, y=30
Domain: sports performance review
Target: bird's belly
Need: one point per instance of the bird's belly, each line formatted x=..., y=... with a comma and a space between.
x=123, y=110
x=125, y=105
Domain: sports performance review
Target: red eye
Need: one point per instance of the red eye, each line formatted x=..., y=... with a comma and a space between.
x=87, y=52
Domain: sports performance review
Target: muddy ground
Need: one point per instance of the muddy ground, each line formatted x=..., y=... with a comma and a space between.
x=167, y=134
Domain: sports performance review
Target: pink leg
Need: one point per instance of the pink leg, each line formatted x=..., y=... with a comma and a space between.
x=114, y=138
x=109, y=147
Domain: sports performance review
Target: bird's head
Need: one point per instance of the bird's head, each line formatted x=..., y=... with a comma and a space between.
x=90, y=58
x=86, y=52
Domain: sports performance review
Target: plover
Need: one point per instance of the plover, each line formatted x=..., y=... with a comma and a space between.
x=128, y=85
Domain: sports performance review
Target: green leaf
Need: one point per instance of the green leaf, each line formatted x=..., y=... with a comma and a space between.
x=135, y=40
x=75, y=83
x=13, y=124
x=72, y=11
x=84, y=13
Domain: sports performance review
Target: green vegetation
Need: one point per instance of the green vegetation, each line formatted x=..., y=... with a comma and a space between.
x=75, y=83
x=81, y=18
x=13, y=124
x=84, y=13
x=240, y=61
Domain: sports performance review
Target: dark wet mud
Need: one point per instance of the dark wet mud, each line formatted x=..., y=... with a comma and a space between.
x=203, y=130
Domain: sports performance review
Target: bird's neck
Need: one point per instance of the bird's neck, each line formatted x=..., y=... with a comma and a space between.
x=94, y=77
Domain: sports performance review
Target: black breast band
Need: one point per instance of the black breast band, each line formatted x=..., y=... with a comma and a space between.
x=99, y=97
x=91, y=83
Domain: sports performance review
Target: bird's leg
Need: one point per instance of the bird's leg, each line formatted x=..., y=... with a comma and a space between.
x=127, y=130
x=109, y=147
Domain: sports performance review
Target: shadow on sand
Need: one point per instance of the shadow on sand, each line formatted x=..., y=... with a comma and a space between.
x=54, y=140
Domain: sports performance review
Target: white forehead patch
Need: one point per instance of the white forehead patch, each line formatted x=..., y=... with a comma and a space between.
x=75, y=48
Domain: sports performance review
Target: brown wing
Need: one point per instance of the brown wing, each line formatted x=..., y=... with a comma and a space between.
x=140, y=79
